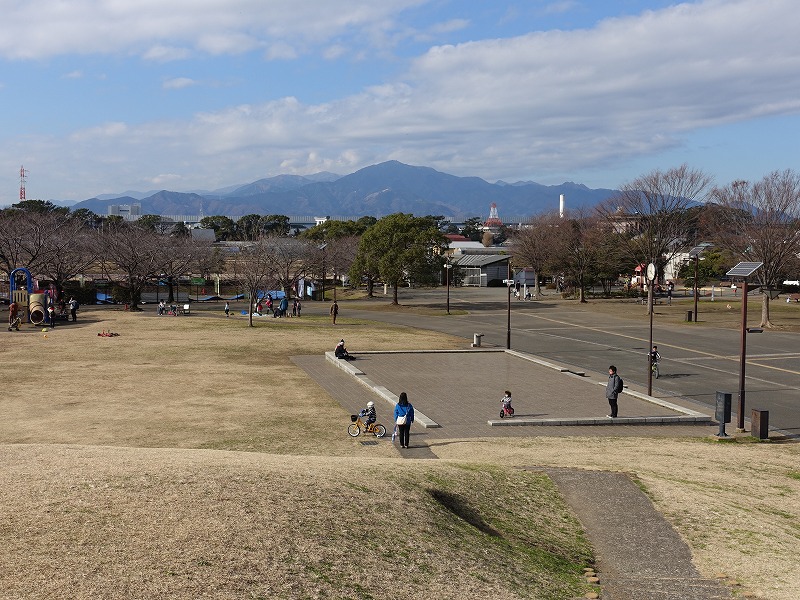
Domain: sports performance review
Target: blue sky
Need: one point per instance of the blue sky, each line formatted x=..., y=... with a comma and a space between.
x=107, y=96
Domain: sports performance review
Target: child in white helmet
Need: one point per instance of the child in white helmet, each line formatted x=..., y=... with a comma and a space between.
x=369, y=415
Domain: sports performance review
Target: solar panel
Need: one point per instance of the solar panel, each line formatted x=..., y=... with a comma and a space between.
x=744, y=269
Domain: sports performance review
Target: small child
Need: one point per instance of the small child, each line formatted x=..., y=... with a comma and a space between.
x=369, y=415
x=508, y=410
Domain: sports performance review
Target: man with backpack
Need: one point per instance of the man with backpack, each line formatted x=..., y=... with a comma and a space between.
x=613, y=390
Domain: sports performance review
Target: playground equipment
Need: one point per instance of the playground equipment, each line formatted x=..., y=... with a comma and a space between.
x=32, y=303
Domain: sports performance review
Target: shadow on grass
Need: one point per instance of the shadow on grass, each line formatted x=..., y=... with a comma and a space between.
x=459, y=507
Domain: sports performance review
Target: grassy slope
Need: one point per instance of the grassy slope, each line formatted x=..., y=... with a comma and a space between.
x=125, y=505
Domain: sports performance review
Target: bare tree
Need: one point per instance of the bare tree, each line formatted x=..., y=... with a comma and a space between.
x=254, y=269
x=69, y=248
x=132, y=252
x=23, y=237
x=654, y=211
x=341, y=254
x=177, y=257
x=761, y=223
x=535, y=245
x=579, y=250
x=288, y=259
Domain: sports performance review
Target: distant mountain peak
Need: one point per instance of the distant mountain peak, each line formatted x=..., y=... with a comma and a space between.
x=375, y=190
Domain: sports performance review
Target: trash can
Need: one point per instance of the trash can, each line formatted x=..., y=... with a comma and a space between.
x=476, y=340
x=723, y=407
x=722, y=413
x=689, y=316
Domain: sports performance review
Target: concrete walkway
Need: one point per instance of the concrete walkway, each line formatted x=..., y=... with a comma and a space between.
x=457, y=396
x=640, y=555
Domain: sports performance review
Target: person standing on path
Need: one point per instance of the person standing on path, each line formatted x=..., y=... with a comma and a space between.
x=613, y=388
x=334, y=311
x=403, y=418
x=13, y=312
x=227, y=309
x=73, y=309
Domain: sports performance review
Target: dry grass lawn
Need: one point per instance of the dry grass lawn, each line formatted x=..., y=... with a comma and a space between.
x=189, y=458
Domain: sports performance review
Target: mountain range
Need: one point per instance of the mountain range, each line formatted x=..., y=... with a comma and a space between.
x=377, y=190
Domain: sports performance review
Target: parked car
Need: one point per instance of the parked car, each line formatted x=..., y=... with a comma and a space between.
x=792, y=282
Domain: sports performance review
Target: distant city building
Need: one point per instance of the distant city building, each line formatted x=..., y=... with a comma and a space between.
x=125, y=210
x=203, y=235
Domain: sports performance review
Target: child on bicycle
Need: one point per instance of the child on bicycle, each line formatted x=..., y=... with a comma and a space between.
x=655, y=356
x=505, y=404
x=368, y=415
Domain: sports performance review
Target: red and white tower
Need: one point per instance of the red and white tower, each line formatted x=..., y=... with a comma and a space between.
x=22, y=173
x=493, y=220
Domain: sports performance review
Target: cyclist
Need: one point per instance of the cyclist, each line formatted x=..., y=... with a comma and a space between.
x=369, y=415
x=655, y=358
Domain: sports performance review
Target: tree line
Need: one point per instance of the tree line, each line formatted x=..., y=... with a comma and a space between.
x=660, y=214
x=650, y=220
x=58, y=246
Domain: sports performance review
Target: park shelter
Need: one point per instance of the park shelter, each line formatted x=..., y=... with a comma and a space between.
x=482, y=270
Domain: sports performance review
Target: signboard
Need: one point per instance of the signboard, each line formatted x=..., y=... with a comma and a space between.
x=198, y=281
x=651, y=271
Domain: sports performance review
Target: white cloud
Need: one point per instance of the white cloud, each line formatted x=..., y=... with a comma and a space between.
x=179, y=83
x=281, y=51
x=542, y=103
x=73, y=75
x=334, y=51
x=169, y=31
x=561, y=6
x=165, y=179
x=162, y=53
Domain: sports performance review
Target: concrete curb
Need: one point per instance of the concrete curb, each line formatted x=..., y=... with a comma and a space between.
x=665, y=420
x=360, y=376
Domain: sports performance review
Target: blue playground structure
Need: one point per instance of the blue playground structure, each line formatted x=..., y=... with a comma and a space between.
x=32, y=303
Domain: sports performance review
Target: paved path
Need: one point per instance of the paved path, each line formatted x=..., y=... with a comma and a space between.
x=640, y=556
x=697, y=361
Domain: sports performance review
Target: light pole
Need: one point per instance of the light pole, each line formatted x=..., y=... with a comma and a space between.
x=651, y=275
x=509, y=282
x=322, y=247
x=743, y=270
x=695, y=253
x=447, y=266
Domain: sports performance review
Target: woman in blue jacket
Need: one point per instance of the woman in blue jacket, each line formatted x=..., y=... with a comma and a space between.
x=403, y=418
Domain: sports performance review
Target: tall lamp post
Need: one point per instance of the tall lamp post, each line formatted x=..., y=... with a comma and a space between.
x=447, y=266
x=509, y=282
x=651, y=275
x=695, y=254
x=322, y=247
x=743, y=270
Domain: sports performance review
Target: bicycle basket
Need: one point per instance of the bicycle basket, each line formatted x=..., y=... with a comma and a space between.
x=354, y=418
